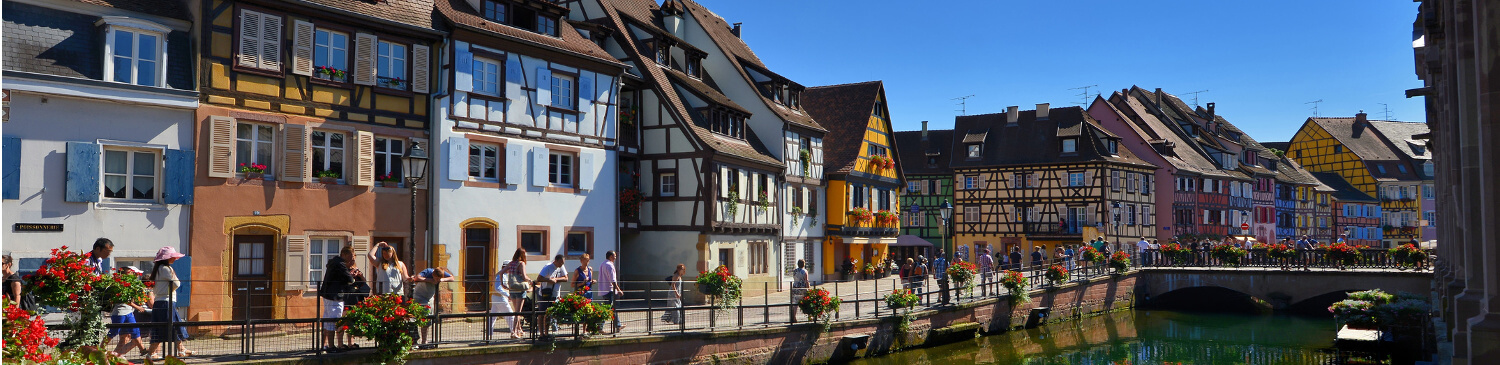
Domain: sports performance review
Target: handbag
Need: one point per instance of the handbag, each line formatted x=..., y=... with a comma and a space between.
x=514, y=282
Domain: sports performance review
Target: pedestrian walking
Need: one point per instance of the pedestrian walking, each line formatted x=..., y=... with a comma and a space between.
x=548, y=290
x=13, y=287
x=919, y=279
x=609, y=283
x=516, y=285
x=391, y=275
x=674, y=299
x=799, y=279
x=940, y=271
x=1036, y=259
x=1141, y=249
x=129, y=338
x=1070, y=258
x=99, y=257
x=986, y=271
x=163, y=311
x=1015, y=258
x=583, y=277
x=500, y=302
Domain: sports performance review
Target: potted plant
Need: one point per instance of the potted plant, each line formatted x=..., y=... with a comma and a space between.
x=1341, y=254
x=1119, y=262
x=819, y=305
x=389, y=320
x=812, y=212
x=886, y=218
x=1090, y=254
x=575, y=309
x=1014, y=282
x=630, y=202
x=962, y=274
x=390, y=180
x=1229, y=254
x=26, y=335
x=882, y=162
x=253, y=171
x=796, y=212
x=860, y=215
x=720, y=284
x=329, y=177
x=1282, y=253
x=765, y=202
x=1057, y=274
x=868, y=270
x=329, y=73
x=806, y=158
x=1407, y=255
x=1174, y=252
x=734, y=204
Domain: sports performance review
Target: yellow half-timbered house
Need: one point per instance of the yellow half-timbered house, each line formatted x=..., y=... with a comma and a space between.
x=1385, y=159
x=863, y=172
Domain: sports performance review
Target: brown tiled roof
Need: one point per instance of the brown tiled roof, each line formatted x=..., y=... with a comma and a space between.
x=175, y=9
x=703, y=89
x=914, y=152
x=739, y=53
x=845, y=110
x=1032, y=141
x=1378, y=151
x=1342, y=190
x=657, y=79
x=459, y=12
x=1186, y=156
x=1400, y=132
x=416, y=13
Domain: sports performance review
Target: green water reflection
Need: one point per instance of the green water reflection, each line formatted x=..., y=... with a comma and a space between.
x=1142, y=337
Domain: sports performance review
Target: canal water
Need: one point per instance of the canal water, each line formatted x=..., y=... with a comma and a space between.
x=1142, y=337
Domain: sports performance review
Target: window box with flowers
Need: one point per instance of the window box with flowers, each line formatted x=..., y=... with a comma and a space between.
x=630, y=202
x=253, y=171
x=329, y=177
x=391, y=82
x=765, y=202
x=389, y=180
x=882, y=161
x=860, y=215
x=886, y=218
x=330, y=74
x=805, y=158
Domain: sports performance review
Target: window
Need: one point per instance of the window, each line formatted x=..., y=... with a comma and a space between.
x=254, y=144
x=578, y=243
x=328, y=154
x=1130, y=214
x=390, y=65
x=1070, y=145
x=662, y=50
x=135, y=57
x=484, y=161
x=331, y=55
x=797, y=199
x=758, y=255
x=695, y=67
x=320, y=250
x=259, y=41
x=971, y=182
x=1427, y=191
x=884, y=199
x=1113, y=146
x=562, y=92
x=494, y=11
x=1427, y=169
x=1338, y=149
x=486, y=76
x=974, y=151
x=669, y=184
x=971, y=214
x=560, y=169
x=546, y=25
x=1431, y=218
x=913, y=186
x=388, y=152
x=1114, y=180
x=130, y=174
x=534, y=242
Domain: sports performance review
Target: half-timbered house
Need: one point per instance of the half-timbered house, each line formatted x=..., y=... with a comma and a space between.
x=307, y=109
x=1046, y=177
x=863, y=176
x=929, y=183
x=1379, y=158
x=527, y=122
x=1356, y=215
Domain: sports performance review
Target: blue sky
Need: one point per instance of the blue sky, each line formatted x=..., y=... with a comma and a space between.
x=1261, y=61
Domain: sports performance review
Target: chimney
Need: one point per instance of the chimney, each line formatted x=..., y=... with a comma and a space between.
x=736, y=30
x=924, y=130
x=1041, y=110
x=1210, y=110
x=1011, y=113
x=1361, y=118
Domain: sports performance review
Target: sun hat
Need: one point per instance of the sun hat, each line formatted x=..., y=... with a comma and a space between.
x=134, y=270
x=167, y=252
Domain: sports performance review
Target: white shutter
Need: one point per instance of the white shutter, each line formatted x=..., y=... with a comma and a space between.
x=543, y=86
x=364, y=58
x=294, y=153
x=586, y=172
x=539, y=166
x=458, y=158
x=515, y=164
x=361, y=246
x=585, y=94
x=513, y=78
x=431, y=153
x=249, y=55
x=463, y=67
x=294, y=258
x=364, y=158
x=302, y=47
x=419, y=68
x=270, y=43
x=221, y=147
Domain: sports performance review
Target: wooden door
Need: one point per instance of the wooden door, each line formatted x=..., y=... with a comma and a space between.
x=478, y=248
x=252, y=277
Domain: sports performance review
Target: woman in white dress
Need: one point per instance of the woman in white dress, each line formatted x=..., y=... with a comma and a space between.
x=674, y=316
x=390, y=273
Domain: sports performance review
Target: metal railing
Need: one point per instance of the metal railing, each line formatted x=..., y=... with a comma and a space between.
x=1369, y=259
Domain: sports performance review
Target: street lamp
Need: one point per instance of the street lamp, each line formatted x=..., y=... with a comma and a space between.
x=946, y=210
x=413, y=168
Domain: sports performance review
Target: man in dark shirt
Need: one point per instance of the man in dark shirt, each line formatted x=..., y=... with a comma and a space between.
x=1015, y=258
x=1036, y=259
x=337, y=278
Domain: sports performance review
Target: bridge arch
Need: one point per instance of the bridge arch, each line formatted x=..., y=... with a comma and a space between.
x=1278, y=287
x=1207, y=298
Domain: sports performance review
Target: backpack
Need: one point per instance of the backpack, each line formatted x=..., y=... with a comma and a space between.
x=918, y=270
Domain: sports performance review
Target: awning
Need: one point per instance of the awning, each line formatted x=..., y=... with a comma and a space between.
x=911, y=240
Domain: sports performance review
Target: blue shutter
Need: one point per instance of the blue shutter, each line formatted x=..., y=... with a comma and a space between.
x=184, y=269
x=178, y=188
x=12, y=166
x=83, y=172
x=463, y=67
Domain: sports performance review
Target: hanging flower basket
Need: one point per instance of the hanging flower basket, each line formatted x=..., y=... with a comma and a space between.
x=1229, y=254
x=1119, y=262
x=1174, y=252
x=1408, y=256
x=722, y=284
x=388, y=319
x=1057, y=274
x=819, y=305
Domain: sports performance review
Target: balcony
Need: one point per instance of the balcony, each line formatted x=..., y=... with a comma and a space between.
x=1050, y=229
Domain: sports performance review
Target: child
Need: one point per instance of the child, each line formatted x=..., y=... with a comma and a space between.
x=130, y=338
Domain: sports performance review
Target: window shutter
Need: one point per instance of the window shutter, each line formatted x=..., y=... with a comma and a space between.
x=431, y=153
x=83, y=172
x=586, y=170
x=585, y=93
x=249, y=55
x=463, y=67
x=184, y=269
x=178, y=187
x=361, y=246
x=302, y=47
x=294, y=153
x=270, y=43
x=458, y=158
x=364, y=58
x=364, y=166
x=221, y=147
x=295, y=258
x=420, y=68
x=543, y=86
x=539, y=166
x=515, y=164
x=12, y=165
x=514, y=79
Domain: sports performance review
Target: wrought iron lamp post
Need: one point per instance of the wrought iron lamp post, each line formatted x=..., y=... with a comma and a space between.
x=413, y=169
x=946, y=210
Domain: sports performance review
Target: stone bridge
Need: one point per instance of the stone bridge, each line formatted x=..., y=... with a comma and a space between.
x=1281, y=288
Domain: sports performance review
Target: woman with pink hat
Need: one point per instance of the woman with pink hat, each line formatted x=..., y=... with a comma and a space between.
x=162, y=310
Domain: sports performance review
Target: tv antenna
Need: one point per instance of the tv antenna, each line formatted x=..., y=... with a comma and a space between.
x=1385, y=108
x=963, y=104
x=1085, y=94
x=1315, y=106
x=1195, y=96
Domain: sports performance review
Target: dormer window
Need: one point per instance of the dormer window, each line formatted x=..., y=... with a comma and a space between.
x=695, y=67
x=546, y=24
x=662, y=52
x=796, y=98
x=1112, y=146
x=1069, y=145
x=726, y=123
x=975, y=150
x=494, y=11
x=134, y=51
x=1381, y=168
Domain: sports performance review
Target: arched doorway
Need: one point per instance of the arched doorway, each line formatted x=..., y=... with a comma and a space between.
x=478, y=257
